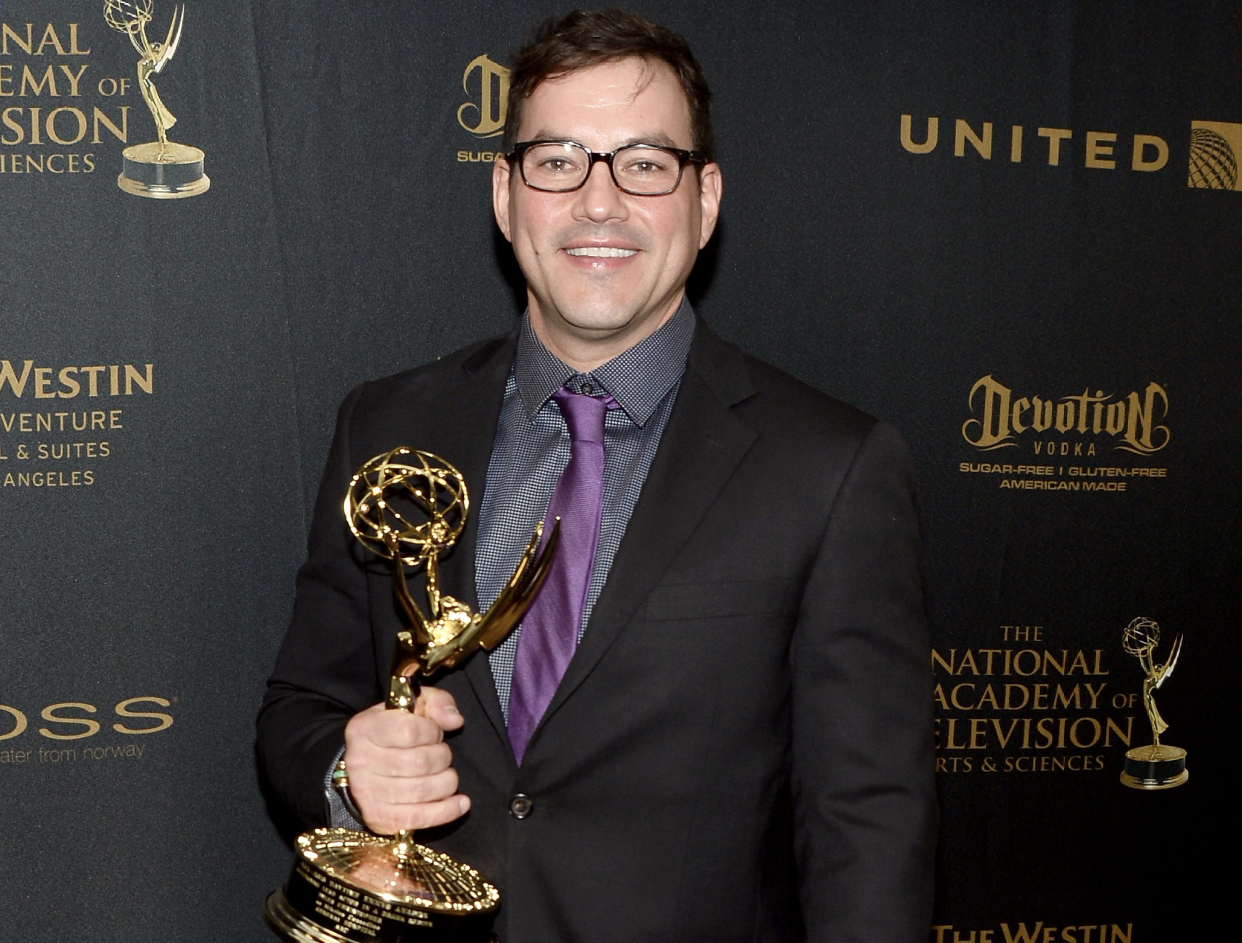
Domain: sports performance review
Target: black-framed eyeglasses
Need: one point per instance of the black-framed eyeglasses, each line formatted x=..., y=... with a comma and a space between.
x=638, y=169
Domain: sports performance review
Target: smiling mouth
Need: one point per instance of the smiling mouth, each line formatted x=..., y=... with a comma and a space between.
x=602, y=252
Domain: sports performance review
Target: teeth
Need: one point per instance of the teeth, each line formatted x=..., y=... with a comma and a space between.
x=602, y=252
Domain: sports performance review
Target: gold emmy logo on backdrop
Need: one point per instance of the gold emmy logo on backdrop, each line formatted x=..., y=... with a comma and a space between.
x=1158, y=766
x=1214, y=150
x=492, y=107
x=409, y=508
x=162, y=168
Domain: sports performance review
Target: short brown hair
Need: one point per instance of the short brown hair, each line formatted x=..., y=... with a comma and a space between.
x=588, y=38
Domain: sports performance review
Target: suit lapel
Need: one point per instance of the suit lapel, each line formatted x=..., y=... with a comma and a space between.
x=486, y=378
x=699, y=449
x=461, y=432
x=465, y=432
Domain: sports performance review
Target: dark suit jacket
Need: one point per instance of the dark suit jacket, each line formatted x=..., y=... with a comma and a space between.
x=741, y=748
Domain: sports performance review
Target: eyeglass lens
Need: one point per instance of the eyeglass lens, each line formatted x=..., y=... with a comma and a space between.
x=638, y=168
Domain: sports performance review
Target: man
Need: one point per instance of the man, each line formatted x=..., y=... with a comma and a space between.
x=714, y=723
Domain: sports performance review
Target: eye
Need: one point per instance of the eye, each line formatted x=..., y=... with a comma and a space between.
x=555, y=165
x=551, y=161
x=645, y=166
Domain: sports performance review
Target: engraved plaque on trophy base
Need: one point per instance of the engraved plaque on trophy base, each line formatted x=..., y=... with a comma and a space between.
x=355, y=887
x=164, y=172
x=1155, y=767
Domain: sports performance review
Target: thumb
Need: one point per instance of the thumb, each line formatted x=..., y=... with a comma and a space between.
x=441, y=708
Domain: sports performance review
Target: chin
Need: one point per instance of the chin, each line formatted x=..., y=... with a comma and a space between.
x=598, y=317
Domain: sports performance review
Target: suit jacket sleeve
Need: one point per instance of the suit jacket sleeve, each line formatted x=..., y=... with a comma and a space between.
x=325, y=672
x=863, y=779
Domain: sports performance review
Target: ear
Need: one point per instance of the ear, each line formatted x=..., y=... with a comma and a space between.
x=501, y=174
x=711, y=186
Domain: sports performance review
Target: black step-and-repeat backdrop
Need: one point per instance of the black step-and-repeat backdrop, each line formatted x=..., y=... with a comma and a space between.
x=1008, y=228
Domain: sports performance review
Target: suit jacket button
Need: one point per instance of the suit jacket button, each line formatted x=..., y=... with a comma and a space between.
x=520, y=806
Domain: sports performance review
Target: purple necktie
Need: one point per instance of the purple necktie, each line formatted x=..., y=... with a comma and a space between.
x=550, y=628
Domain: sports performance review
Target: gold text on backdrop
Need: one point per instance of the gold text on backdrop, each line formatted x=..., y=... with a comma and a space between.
x=47, y=443
x=998, y=418
x=160, y=169
x=1102, y=150
x=1025, y=702
x=1036, y=932
x=49, y=136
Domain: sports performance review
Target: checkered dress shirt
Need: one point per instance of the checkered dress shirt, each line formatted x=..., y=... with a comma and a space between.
x=530, y=451
x=532, y=447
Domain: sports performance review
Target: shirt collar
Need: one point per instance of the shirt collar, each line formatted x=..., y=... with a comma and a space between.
x=638, y=378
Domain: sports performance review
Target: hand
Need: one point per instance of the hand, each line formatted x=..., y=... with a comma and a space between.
x=400, y=769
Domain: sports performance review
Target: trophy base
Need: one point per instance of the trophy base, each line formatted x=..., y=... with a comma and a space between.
x=354, y=887
x=163, y=172
x=1153, y=767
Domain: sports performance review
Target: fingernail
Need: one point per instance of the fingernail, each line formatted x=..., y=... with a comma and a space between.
x=451, y=709
x=464, y=804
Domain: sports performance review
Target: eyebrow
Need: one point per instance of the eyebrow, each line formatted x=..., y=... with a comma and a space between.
x=659, y=138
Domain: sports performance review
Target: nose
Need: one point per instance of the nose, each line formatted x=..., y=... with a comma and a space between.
x=599, y=200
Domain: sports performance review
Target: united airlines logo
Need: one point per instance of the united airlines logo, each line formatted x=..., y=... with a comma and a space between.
x=1214, y=150
x=983, y=140
x=1215, y=147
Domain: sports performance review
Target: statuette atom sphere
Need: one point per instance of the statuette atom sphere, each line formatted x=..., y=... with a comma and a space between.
x=126, y=15
x=1140, y=637
x=408, y=502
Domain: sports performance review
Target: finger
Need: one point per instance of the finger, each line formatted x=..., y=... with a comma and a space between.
x=380, y=791
x=391, y=728
x=391, y=819
x=440, y=707
x=399, y=763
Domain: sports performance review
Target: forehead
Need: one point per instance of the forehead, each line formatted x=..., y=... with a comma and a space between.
x=607, y=105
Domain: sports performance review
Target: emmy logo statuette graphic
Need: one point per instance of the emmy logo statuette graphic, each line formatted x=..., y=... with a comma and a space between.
x=162, y=168
x=1158, y=766
x=407, y=507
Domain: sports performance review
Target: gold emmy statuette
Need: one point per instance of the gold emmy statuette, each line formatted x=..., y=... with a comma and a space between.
x=1158, y=766
x=408, y=507
x=161, y=169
